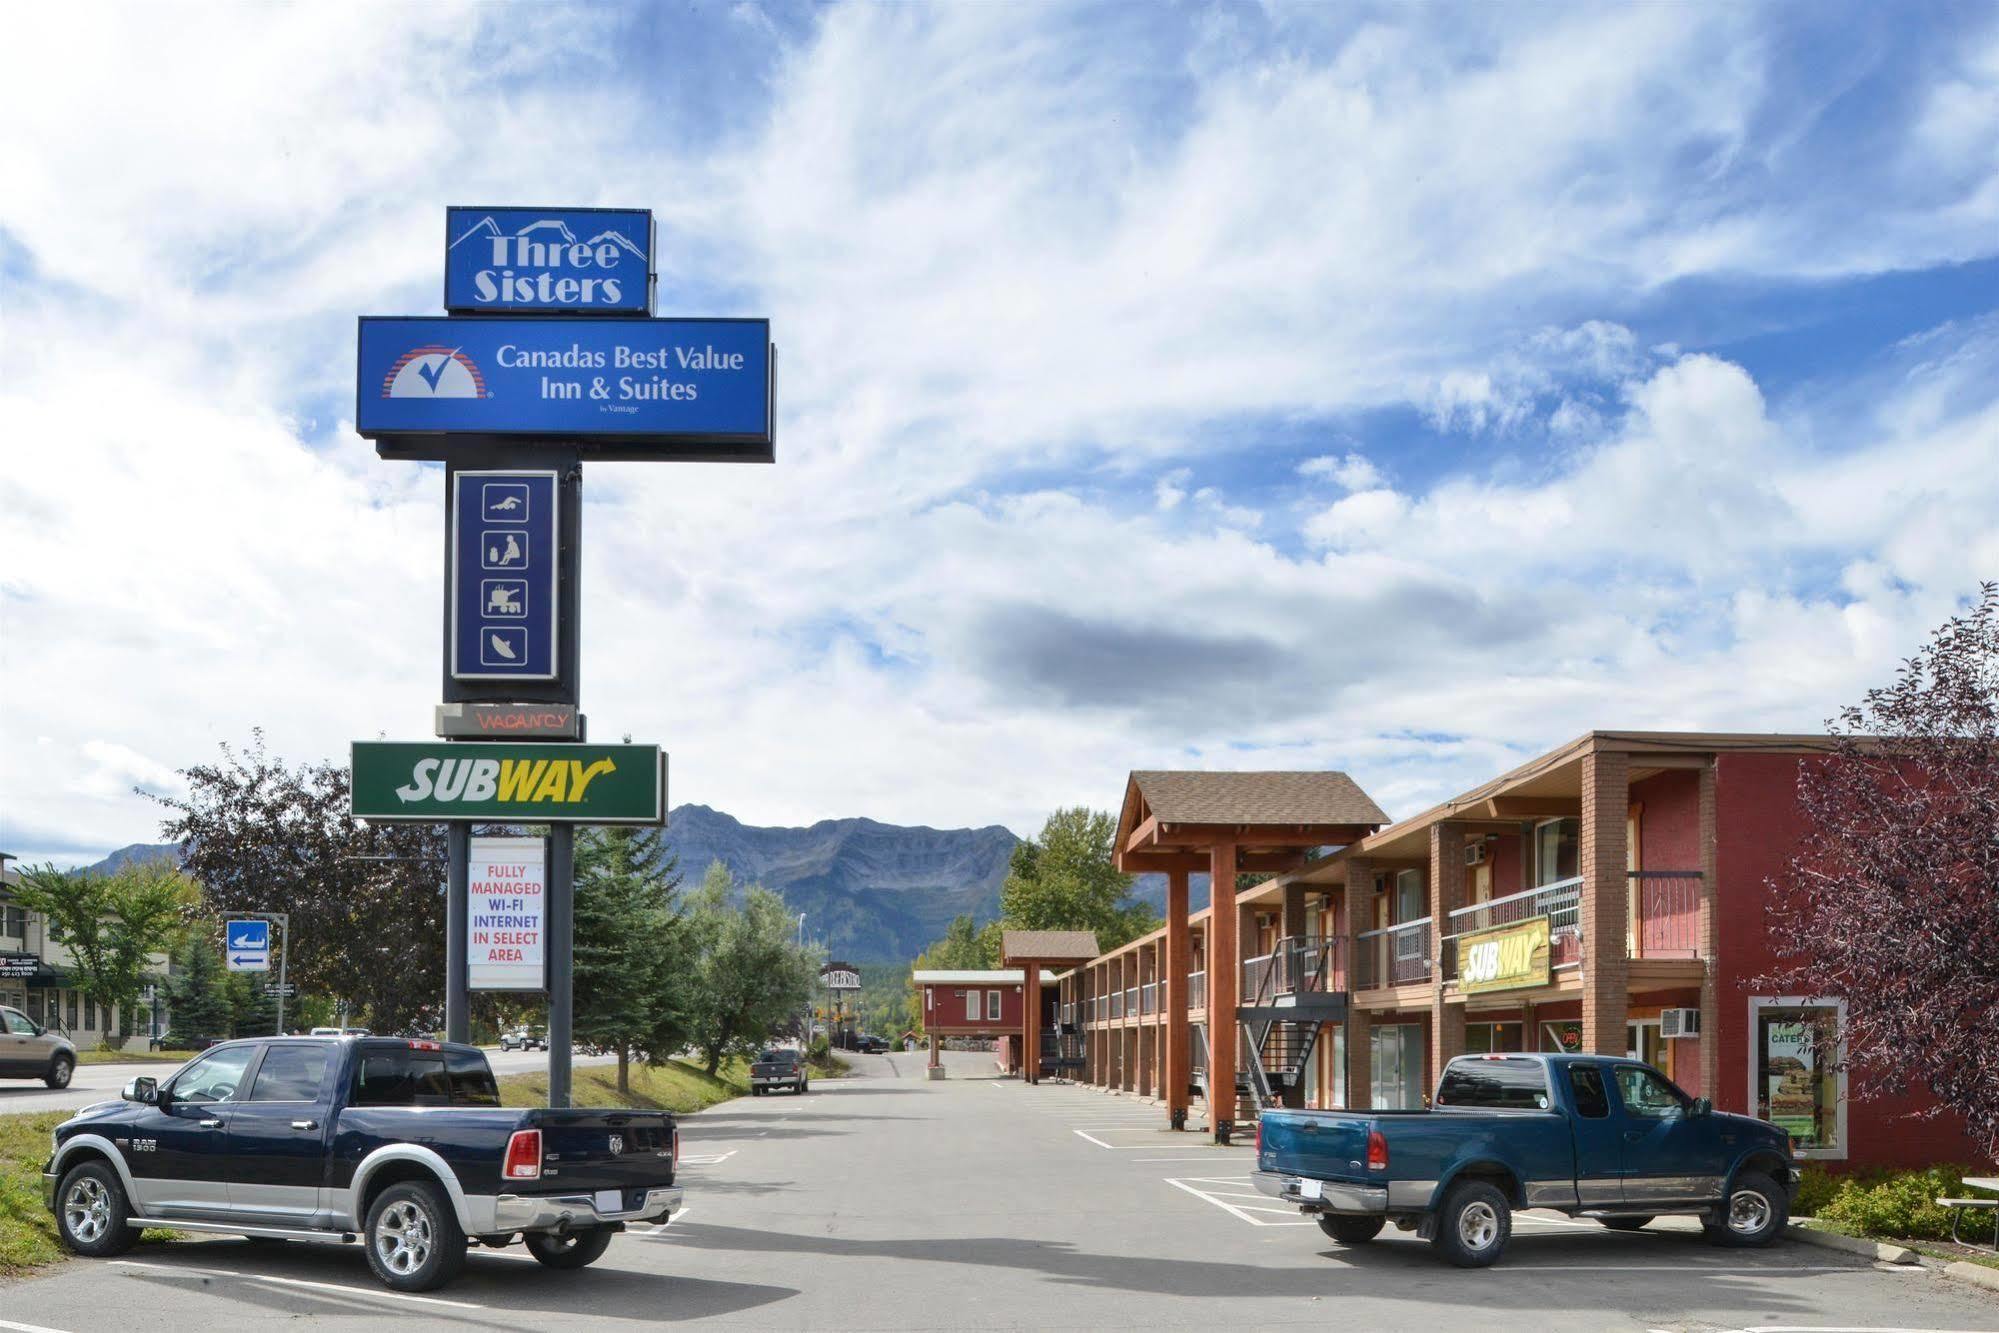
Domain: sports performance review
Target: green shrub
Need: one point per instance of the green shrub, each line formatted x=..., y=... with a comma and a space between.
x=1897, y=1204
x=1816, y=1188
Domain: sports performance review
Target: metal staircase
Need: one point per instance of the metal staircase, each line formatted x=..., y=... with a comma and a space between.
x=1062, y=1050
x=1280, y=1019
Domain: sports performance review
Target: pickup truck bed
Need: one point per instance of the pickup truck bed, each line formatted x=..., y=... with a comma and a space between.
x=402, y=1143
x=1591, y=1136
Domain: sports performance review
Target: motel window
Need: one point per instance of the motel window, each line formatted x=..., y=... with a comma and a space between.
x=14, y=923
x=1410, y=905
x=1493, y=1038
x=992, y=1006
x=1557, y=850
x=1565, y=1038
x=972, y=1006
x=89, y=1014
x=71, y=1025
x=1797, y=1082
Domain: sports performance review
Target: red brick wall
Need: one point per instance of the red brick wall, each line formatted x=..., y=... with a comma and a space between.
x=1757, y=825
x=1669, y=830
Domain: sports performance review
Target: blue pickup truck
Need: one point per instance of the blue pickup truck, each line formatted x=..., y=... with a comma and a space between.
x=1591, y=1136
x=401, y=1143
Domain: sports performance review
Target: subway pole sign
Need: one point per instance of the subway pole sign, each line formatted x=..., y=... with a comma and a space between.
x=564, y=783
x=1504, y=958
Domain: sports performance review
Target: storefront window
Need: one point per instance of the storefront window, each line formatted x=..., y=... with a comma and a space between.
x=1797, y=1088
x=1563, y=1038
x=1493, y=1038
x=1642, y=1042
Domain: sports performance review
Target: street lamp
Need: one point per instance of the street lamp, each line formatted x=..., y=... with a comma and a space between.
x=808, y=997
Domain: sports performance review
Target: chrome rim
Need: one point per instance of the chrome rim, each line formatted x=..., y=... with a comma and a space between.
x=62, y=1073
x=1748, y=1213
x=402, y=1237
x=1478, y=1226
x=87, y=1210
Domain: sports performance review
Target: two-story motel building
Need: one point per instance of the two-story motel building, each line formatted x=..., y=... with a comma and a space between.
x=1607, y=896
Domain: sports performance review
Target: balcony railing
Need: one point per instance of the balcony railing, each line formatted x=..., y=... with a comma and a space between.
x=1117, y=1004
x=1298, y=963
x=1197, y=990
x=1560, y=902
x=1393, y=955
x=1131, y=1001
x=1148, y=998
x=1667, y=905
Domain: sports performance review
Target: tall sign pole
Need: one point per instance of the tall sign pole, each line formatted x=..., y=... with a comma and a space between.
x=548, y=354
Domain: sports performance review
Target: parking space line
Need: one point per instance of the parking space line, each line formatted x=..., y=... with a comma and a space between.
x=365, y=1292
x=1099, y=1142
x=28, y=1328
x=1240, y=1214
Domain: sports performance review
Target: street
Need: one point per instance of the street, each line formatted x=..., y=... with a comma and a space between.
x=886, y=1201
x=96, y=1083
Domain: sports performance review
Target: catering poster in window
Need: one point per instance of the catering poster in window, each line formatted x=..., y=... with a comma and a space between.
x=1795, y=1087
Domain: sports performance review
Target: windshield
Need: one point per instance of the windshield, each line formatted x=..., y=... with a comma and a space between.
x=1494, y=1082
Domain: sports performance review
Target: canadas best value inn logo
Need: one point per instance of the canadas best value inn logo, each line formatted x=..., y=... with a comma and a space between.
x=434, y=372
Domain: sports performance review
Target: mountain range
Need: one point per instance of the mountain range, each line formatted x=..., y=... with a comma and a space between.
x=871, y=892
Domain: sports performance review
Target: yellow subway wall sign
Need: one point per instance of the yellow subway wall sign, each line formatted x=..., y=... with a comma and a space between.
x=1504, y=957
x=433, y=781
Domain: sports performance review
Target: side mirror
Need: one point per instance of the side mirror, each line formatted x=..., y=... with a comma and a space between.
x=145, y=1091
x=1702, y=1106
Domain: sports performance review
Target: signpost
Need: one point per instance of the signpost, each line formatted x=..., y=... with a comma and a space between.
x=548, y=357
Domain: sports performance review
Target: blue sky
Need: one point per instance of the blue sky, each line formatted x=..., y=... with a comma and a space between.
x=1399, y=389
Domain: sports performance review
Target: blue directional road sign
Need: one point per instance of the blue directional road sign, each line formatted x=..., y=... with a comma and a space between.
x=503, y=575
x=246, y=945
x=617, y=388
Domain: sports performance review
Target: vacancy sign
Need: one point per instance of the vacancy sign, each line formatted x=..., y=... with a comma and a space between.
x=505, y=921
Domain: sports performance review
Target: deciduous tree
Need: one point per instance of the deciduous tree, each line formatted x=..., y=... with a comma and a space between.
x=1891, y=901
x=752, y=978
x=110, y=923
x=367, y=916
x=1067, y=879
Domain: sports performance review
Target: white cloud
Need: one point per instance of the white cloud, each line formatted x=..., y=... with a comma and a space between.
x=1016, y=266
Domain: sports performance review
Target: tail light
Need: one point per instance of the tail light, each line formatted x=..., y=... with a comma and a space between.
x=425, y=1046
x=676, y=1145
x=523, y=1160
x=1259, y=1135
x=1377, y=1151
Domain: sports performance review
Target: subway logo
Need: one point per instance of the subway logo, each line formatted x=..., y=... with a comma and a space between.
x=478, y=780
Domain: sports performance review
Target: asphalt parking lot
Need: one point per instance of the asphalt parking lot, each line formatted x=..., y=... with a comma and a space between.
x=886, y=1201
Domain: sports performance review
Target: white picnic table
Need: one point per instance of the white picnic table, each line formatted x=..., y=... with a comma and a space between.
x=1959, y=1207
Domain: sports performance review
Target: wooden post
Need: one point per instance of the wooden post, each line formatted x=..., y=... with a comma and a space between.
x=1224, y=966
x=1030, y=1025
x=1179, y=957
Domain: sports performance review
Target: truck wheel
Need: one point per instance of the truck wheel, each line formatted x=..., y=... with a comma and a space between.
x=575, y=1249
x=1474, y=1224
x=1624, y=1223
x=60, y=1069
x=1755, y=1213
x=91, y=1212
x=1351, y=1230
x=413, y=1239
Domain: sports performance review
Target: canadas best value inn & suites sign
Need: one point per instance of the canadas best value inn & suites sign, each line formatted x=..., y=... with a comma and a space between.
x=566, y=783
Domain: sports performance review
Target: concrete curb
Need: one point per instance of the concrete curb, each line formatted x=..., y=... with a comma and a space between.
x=1871, y=1249
x=1976, y=1274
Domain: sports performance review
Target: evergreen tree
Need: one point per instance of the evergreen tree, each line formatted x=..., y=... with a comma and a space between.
x=198, y=1007
x=632, y=949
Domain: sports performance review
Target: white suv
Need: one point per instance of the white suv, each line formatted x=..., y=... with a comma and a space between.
x=29, y=1050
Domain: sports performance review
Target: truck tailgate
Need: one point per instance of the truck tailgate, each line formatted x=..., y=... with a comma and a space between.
x=587, y=1149
x=1321, y=1145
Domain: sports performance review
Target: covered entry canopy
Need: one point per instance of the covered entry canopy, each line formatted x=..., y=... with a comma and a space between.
x=1223, y=824
x=1033, y=950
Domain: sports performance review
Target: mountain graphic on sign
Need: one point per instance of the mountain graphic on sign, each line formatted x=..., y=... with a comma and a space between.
x=487, y=227
x=619, y=237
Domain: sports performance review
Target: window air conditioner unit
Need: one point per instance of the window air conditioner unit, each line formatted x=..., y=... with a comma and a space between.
x=1475, y=853
x=1679, y=1023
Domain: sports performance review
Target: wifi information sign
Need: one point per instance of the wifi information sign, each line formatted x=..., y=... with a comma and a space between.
x=558, y=261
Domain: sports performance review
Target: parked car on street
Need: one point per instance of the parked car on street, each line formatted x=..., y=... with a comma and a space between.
x=29, y=1050
x=779, y=1067
x=870, y=1045
x=523, y=1039
x=1590, y=1136
x=403, y=1144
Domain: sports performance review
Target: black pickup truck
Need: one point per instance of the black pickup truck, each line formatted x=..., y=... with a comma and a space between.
x=403, y=1144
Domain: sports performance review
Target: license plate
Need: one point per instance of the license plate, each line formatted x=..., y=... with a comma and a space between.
x=1308, y=1189
x=610, y=1201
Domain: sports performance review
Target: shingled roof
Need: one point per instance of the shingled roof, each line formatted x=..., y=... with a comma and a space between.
x=1324, y=797
x=1047, y=946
